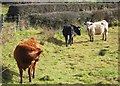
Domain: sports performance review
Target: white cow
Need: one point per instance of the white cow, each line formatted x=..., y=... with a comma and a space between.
x=97, y=28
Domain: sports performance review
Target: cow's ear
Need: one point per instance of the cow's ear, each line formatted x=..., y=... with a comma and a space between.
x=79, y=28
x=102, y=23
x=84, y=23
x=91, y=23
x=32, y=38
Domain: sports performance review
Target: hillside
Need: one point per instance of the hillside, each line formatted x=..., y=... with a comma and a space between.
x=79, y=63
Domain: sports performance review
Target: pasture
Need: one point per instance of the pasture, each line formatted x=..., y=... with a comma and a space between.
x=79, y=63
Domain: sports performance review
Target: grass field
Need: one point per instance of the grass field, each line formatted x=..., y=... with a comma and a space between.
x=4, y=9
x=79, y=63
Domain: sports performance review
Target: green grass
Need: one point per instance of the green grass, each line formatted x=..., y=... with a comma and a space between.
x=79, y=63
x=4, y=9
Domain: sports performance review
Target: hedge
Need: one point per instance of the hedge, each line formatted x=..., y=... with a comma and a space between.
x=57, y=14
x=57, y=19
x=26, y=9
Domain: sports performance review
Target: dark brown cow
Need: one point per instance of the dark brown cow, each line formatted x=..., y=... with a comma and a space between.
x=26, y=55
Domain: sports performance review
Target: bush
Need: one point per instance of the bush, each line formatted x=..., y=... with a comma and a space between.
x=110, y=15
x=58, y=19
x=55, y=15
x=116, y=23
x=26, y=9
x=54, y=19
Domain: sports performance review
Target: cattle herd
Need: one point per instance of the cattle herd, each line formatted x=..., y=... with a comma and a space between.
x=96, y=28
x=27, y=52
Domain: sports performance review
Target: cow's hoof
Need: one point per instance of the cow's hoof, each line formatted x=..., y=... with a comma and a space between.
x=30, y=81
x=91, y=40
x=102, y=39
x=33, y=76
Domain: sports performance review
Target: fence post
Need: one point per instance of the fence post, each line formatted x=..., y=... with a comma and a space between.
x=1, y=22
x=17, y=21
x=2, y=19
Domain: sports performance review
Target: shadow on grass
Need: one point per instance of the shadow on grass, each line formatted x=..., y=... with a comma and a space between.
x=87, y=41
x=80, y=42
x=7, y=74
x=55, y=41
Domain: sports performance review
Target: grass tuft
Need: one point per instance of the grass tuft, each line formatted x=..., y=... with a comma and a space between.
x=102, y=52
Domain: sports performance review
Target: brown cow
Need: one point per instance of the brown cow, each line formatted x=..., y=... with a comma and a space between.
x=26, y=55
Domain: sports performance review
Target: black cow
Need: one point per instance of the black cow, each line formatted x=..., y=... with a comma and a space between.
x=68, y=33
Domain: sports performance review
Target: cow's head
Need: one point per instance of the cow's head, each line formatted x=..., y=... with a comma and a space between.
x=77, y=30
x=88, y=24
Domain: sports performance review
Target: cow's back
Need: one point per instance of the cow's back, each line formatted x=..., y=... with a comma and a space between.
x=26, y=52
x=99, y=28
x=22, y=57
x=67, y=30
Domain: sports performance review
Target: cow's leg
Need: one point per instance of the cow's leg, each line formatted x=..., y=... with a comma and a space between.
x=21, y=74
x=92, y=38
x=70, y=40
x=105, y=36
x=105, y=33
x=66, y=38
x=30, y=72
x=34, y=69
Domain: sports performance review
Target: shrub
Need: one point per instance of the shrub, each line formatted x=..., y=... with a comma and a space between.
x=55, y=15
x=116, y=23
x=54, y=19
x=109, y=15
x=28, y=8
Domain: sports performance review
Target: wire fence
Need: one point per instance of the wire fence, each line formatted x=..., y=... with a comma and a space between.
x=19, y=23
